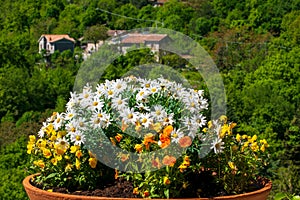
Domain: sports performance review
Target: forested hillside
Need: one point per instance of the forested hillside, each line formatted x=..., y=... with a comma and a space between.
x=254, y=43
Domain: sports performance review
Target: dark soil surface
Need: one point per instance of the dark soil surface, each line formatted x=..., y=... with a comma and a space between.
x=198, y=187
x=119, y=188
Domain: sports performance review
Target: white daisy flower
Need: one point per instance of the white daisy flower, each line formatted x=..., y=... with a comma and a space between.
x=154, y=88
x=62, y=143
x=142, y=94
x=129, y=116
x=168, y=120
x=203, y=103
x=100, y=119
x=120, y=85
x=141, y=106
x=77, y=138
x=217, y=145
x=198, y=121
x=119, y=103
x=97, y=103
x=71, y=127
x=86, y=96
x=41, y=132
x=145, y=120
x=107, y=89
x=58, y=121
x=106, y=121
x=176, y=135
x=159, y=113
x=100, y=89
x=70, y=114
x=73, y=101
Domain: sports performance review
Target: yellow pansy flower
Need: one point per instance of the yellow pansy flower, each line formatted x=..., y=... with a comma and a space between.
x=223, y=118
x=32, y=138
x=138, y=148
x=263, y=148
x=238, y=137
x=61, y=134
x=254, y=147
x=68, y=167
x=252, y=139
x=52, y=138
x=264, y=142
x=74, y=148
x=54, y=161
x=245, y=137
x=77, y=164
x=93, y=162
x=167, y=181
x=41, y=143
x=47, y=153
x=231, y=165
x=78, y=154
x=209, y=124
x=58, y=157
x=39, y=163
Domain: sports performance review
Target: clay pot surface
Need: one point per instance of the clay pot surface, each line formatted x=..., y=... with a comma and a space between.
x=35, y=193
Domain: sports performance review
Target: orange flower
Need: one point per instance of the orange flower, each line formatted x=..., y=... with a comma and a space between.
x=113, y=141
x=169, y=161
x=78, y=154
x=138, y=126
x=165, y=138
x=138, y=148
x=168, y=130
x=93, y=162
x=118, y=137
x=185, y=164
x=185, y=141
x=135, y=191
x=146, y=193
x=156, y=127
x=148, y=139
x=124, y=126
x=124, y=157
x=156, y=163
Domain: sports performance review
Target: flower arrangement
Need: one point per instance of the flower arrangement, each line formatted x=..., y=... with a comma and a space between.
x=153, y=133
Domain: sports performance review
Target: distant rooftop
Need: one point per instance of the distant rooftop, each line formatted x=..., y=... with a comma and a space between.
x=161, y=1
x=55, y=37
x=142, y=38
x=112, y=33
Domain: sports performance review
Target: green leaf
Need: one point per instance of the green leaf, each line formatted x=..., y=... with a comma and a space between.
x=296, y=197
x=167, y=193
x=280, y=196
x=51, y=175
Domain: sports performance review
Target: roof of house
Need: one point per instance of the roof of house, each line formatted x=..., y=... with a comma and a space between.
x=161, y=1
x=142, y=38
x=54, y=37
x=112, y=33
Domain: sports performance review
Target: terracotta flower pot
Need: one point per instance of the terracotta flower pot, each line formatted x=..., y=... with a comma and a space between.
x=38, y=194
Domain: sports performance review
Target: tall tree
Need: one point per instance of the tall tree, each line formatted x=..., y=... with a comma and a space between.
x=96, y=33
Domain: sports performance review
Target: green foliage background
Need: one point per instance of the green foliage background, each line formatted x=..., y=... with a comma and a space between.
x=254, y=43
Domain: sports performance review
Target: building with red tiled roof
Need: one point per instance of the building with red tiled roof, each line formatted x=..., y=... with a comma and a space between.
x=151, y=41
x=143, y=38
x=53, y=42
x=113, y=33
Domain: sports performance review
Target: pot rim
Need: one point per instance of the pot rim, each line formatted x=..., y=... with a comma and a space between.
x=26, y=183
